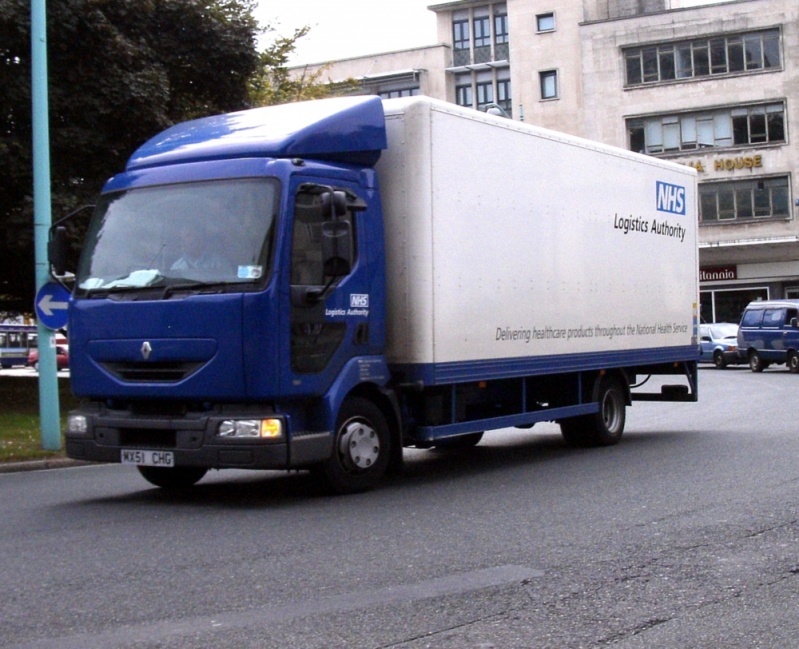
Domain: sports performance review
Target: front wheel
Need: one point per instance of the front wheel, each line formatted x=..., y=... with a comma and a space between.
x=718, y=360
x=181, y=477
x=604, y=428
x=361, y=448
x=793, y=361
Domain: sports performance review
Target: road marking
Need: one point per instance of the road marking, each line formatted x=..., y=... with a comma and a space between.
x=225, y=622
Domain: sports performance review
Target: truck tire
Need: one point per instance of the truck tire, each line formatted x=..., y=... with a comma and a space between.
x=361, y=448
x=793, y=361
x=181, y=477
x=605, y=428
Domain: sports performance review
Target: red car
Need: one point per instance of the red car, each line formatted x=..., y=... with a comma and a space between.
x=61, y=358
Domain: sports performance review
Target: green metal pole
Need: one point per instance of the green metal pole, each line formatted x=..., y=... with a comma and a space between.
x=42, y=218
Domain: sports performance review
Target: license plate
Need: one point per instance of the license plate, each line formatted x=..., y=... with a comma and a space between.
x=148, y=458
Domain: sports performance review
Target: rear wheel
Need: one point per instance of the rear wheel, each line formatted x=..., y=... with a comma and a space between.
x=181, y=477
x=756, y=363
x=361, y=448
x=604, y=428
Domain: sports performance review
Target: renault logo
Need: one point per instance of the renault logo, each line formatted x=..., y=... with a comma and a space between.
x=146, y=350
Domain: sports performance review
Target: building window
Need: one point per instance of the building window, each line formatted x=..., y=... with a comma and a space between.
x=744, y=201
x=485, y=94
x=729, y=127
x=504, y=97
x=727, y=305
x=399, y=92
x=463, y=95
x=545, y=22
x=461, y=43
x=484, y=88
x=460, y=35
x=482, y=31
x=501, y=34
x=699, y=58
x=549, y=84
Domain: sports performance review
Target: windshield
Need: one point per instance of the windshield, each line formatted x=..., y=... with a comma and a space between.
x=193, y=234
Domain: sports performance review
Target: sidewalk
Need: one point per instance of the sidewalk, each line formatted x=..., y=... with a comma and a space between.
x=40, y=465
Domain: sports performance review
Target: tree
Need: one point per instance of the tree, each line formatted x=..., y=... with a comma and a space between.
x=273, y=83
x=119, y=72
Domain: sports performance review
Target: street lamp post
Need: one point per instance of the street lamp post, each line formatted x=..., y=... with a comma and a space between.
x=42, y=218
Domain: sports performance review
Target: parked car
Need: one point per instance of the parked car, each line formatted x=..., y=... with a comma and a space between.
x=61, y=358
x=769, y=333
x=719, y=344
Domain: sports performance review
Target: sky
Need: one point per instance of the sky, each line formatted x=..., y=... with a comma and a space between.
x=345, y=28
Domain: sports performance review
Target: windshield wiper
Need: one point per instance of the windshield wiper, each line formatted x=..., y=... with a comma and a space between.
x=189, y=285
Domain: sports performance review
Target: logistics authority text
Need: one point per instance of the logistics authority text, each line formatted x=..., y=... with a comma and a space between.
x=660, y=227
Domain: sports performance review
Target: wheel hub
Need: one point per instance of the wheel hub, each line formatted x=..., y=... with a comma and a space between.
x=359, y=446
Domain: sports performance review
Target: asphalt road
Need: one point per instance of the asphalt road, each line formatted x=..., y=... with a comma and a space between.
x=683, y=536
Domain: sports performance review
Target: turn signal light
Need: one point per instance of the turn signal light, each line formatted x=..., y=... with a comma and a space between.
x=251, y=428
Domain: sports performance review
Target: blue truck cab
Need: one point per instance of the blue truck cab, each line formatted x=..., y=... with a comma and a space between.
x=195, y=309
x=769, y=333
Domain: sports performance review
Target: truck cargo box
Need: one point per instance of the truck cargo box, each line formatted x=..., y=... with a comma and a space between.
x=526, y=250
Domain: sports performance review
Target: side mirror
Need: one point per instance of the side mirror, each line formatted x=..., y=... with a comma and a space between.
x=337, y=248
x=794, y=322
x=334, y=204
x=61, y=253
x=57, y=249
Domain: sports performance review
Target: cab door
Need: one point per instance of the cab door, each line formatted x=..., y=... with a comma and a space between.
x=324, y=269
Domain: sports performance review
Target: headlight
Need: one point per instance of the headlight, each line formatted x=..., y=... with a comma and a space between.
x=251, y=428
x=77, y=424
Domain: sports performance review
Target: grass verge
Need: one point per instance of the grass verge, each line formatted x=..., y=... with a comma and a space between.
x=20, y=433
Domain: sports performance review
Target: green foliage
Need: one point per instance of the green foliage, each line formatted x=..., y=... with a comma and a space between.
x=20, y=433
x=273, y=83
x=119, y=71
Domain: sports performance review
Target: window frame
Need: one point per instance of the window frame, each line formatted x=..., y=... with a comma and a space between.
x=545, y=76
x=539, y=20
x=736, y=201
x=712, y=129
x=701, y=58
x=461, y=40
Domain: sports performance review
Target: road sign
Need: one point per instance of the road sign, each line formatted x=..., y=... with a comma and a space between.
x=51, y=305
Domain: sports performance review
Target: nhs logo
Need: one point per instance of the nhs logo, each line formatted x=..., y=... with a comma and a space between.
x=359, y=300
x=670, y=198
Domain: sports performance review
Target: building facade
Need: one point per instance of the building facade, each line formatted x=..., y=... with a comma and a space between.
x=712, y=86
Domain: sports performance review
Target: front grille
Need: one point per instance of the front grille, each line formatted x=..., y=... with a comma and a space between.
x=147, y=438
x=156, y=372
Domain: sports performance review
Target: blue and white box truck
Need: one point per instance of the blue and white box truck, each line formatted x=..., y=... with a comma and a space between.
x=319, y=285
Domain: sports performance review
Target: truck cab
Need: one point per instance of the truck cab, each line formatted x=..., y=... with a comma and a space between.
x=229, y=294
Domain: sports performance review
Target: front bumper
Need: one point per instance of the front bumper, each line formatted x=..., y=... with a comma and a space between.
x=193, y=440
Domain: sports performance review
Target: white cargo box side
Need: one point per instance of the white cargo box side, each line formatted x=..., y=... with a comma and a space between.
x=528, y=249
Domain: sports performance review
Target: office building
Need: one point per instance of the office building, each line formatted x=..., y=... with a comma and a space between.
x=713, y=86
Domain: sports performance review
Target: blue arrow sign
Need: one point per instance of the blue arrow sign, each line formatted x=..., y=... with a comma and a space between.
x=52, y=301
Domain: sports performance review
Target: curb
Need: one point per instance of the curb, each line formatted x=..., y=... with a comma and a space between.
x=41, y=465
